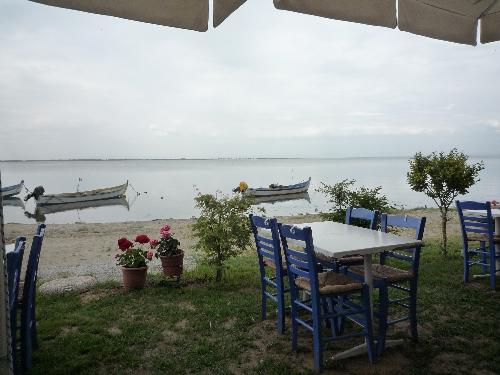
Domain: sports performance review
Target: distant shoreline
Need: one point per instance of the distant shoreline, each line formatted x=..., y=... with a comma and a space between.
x=228, y=158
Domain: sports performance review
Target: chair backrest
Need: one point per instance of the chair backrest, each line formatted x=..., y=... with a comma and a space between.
x=474, y=224
x=14, y=263
x=364, y=217
x=268, y=246
x=301, y=259
x=29, y=291
x=411, y=255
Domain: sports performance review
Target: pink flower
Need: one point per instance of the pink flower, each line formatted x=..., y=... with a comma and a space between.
x=153, y=243
x=149, y=255
x=165, y=231
x=142, y=238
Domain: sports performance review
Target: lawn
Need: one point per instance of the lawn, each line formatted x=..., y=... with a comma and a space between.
x=206, y=328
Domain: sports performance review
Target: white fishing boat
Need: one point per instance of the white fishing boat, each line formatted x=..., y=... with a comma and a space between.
x=9, y=191
x=274, y=189
x=82, y=196
x=83, y=205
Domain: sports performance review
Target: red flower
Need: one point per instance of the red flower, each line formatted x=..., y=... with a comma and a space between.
x=153, y=243
x=142, y=238
x=124, y=244
x=149, y=255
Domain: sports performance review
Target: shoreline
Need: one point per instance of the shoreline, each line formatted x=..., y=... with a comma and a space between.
x=88, y=249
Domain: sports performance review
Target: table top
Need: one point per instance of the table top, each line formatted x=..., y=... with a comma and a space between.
x=334, y=240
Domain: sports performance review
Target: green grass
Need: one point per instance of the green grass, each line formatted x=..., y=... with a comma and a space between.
x=206, y=328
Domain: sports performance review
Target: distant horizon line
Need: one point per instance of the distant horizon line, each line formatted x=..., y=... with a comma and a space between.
x=226, y=158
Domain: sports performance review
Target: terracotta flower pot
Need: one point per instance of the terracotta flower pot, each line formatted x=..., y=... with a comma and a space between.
x=172, y=264
x=134, y=278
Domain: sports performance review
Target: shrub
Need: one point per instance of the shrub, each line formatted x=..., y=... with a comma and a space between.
x=343, y=194
x=222, y=229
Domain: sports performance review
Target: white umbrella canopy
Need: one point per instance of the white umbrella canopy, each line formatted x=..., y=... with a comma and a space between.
x=450, y=20
x=185, y=14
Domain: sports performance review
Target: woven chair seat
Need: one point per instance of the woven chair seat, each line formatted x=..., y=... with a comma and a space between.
x=331, y=283
x=382, y=271
x=268, y=262
x=483, y=238
x=351, y=260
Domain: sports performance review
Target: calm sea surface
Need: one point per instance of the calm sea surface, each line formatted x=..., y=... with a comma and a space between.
x=167, y=187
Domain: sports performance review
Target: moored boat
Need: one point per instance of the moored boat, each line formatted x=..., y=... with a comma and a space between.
x=82, y=196
x=274, y=189
x=9, y=191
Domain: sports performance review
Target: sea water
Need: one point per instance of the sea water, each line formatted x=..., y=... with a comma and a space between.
x=161, y=189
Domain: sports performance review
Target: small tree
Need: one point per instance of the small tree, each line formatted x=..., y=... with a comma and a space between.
x=223, y=228
x=342, y=195
x=443, y=177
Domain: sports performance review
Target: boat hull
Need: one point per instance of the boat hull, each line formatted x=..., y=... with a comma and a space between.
x=279, y=191
x=84, y=196
x=10, y=191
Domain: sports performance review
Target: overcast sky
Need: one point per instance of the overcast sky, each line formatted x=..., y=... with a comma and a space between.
x=266, y=83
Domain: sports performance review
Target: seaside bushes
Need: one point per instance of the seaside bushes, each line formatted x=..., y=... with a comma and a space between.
x=343, y=194
x=443, y=177
x=222, y=229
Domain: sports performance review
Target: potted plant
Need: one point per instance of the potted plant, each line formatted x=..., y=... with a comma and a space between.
x=133, y=259
x=167, y=249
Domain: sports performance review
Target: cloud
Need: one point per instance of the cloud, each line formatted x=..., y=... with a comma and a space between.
x=262, y=81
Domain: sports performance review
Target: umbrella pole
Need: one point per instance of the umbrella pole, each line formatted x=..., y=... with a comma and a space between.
x=5, y=356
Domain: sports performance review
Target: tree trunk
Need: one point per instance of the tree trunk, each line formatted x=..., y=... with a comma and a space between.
x=218, y=274
x=444, y=221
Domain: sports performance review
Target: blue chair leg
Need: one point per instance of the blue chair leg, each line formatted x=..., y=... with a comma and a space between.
x=281, y=308
x=317, y=341
x=482, y=247
x=413, y=310
x=383, y=316
x=365, y=295
x=466, y=266
x=264, y=299
x=295, y=327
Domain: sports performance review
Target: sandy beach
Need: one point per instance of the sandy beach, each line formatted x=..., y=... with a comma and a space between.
x=89, y=249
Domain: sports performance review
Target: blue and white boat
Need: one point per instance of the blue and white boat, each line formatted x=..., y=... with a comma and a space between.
x=278, y=190
x=9, y=191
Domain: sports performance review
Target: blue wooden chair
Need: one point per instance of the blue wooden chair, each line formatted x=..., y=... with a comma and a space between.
x=478, y=229
x=360, y=217
x=326, y=291
x=28, y=303
x=387, y=277
x=14, y=263
x=270, y=257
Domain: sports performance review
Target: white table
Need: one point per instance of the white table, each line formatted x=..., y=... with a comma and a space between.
x=335, y=240
x=495, y=212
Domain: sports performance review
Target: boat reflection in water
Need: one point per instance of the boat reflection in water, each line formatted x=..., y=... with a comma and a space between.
x=12, y=201
x=280, y=198
x=41, y=211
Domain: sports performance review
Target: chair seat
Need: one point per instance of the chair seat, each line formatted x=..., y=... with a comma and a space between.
x=382, y=271
x=351, y=260
x=268, y=262
x=483, y=238
x=331, y=283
